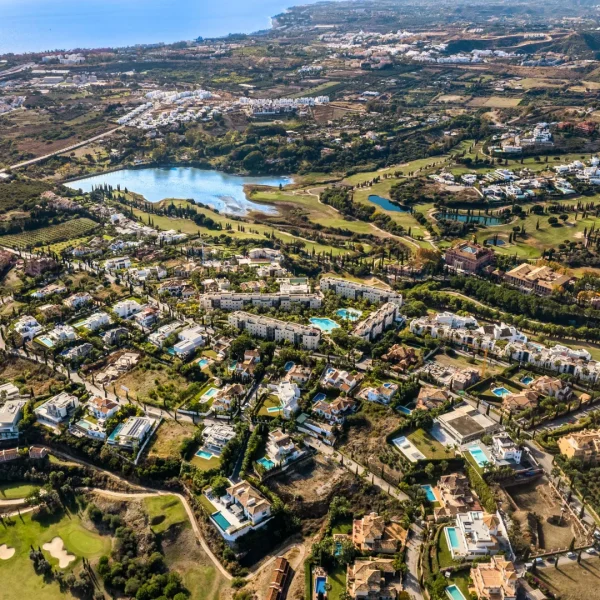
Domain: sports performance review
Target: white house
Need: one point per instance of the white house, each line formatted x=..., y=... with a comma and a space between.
x=10, y=415
x=126, y=308
x=382, y=394
x=118, y=263
x=189, y=340
x=132, y=432
x=475, y=534
x=281, y=448
x=504, y=449
x=77, y=300
x=102, y=408
x=27, y=327
x=96, y=321
x=288, y=394
x=56, y=410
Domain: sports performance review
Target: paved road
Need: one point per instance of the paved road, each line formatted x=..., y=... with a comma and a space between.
x=352, y=466
x=62, y=150
x=413, y=549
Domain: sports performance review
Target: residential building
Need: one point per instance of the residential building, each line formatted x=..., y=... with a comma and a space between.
x=465, y=424
x=224, y=398
x=237, y=301
x=27, y=327
x=360, y=291
x=57, y=409
x=281, y=448
x=401, y=357
x=336, y=410
x=299, y=374
x=9, y=455
x=77, y=352
x=216, y=437
x=60, y=334
x=10, y=415
x=95, y=321
x=371, y=579
x=552, y=387
x=496, y=580
x=519, y=401
x=583, y=445
x=126, y=308
x=131, y=433
x=289, y=395
x=163, y=332
x=276, y=330
x=38, y=452
x=382, y=394
x=102, y=408
x=322, y=431
x=341, y=380
x=475, y=534
x=190, y=340
x=147, y=317
x=371, y=534
x=377, y=322
x=9, y=391
x=455, y=496
x=254, y=506
x=49, y=290
x=78, y=300
x=468, y=257
x=279, y=577
x=540, y=280
x=430, y=398
x=118, y=263
x=505, y=450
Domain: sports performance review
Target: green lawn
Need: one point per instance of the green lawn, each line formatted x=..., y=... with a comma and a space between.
x=165, y=511
x=342, y=527
x=12, y=491
x=428, y=445
x=444, y=556
x=461, y=579
x=205, y=465
x=17, y=575
x=270, y=401
x=337, y=580
x=206, y=504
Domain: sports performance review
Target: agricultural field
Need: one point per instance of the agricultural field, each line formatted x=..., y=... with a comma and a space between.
x=495, y=102
x=52, y=234
x=17, y=572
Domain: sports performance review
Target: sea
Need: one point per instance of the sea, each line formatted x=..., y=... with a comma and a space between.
x=50, y=25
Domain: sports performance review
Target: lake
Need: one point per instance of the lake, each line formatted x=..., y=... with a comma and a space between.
x=386, y=204
x=464, y=218
x=42, y=25
x=218, y=190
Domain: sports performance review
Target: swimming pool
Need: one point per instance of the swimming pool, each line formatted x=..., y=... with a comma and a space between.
x=320, y=587
x=452, y=538
x=113, y=436
x=404, y=410
x=454, y=593
x=324, y=324
x=479, y=455
x=203, y=362
x=500, y=392
x=84, y=424
x=221, y=521
x=338, y=548
x=266, y=463
x=233, y=365
x=430, y=494
x=349, y=314
x=204, y=454
x=274, y=409
x=209, y=394
x=45, y=341
x=320, y=396
x=289, y=365
x=526, y=380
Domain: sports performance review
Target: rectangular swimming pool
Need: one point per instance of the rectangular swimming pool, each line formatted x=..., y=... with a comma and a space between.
x=452, y=537
x=320, y=586
x=479, y=455
x=320, y=396
x=430, y=494
x=454, y=593
x=274, y=409
x=204, y=454
x=221, y=521
x=526, y=380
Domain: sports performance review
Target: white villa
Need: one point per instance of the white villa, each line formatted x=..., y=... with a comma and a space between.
x=27, y=327
x=127, y=308
x=56, y=410
x=216, y=437
x=281, y=448
x=382, y=394
x=190, y=340
x=288, y=394
x=10, y=415
x=132, y=432
x=475, y=534
x=504, y=449
x=95, y=321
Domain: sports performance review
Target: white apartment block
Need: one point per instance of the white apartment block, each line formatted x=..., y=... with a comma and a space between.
x=360, y=291
x=276, y=330
x=235, y=301
x=377, y=322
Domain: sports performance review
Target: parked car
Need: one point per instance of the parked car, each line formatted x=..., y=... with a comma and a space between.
x=572, y=555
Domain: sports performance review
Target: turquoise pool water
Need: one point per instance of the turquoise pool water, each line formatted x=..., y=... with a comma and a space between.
x=203, y=362
x=45, y=341
x=479, y=455
x=454, y=593
x=266, y=463
x=429, y=491
x=209, y=394
x=204, y=454
x=500, y=391
x=526, y=380
x=386, y=204
x=324, y=324
x=452, y=537
x=212, y=188
x=113, y=436
x=233, y=365
x=274, y=409
x=404, y=410
x=221, y=521
x=349, y=314
x=289, y=365
x=320, y=396
x=320, y=585
x=84, y=424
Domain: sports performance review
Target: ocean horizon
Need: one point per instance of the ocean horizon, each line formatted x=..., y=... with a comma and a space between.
x=51, y=25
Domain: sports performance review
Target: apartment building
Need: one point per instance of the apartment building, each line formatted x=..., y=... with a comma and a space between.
x=540, y=280
x=468, y=257
x=496, y=580
x=276, y=330
x=377, y=322
x=583, y=445
x=236, y=301
x=360, y=291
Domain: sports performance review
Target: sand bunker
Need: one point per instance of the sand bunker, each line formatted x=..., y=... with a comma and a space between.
x=6, y=552
x=57, y=550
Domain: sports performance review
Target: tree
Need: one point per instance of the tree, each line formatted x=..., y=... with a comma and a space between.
x=219, y=485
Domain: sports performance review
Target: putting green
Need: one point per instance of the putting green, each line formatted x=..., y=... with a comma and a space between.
x=83, y=543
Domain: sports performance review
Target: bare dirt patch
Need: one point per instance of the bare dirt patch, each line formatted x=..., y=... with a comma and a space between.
x=168, y=437
x=573, y=581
